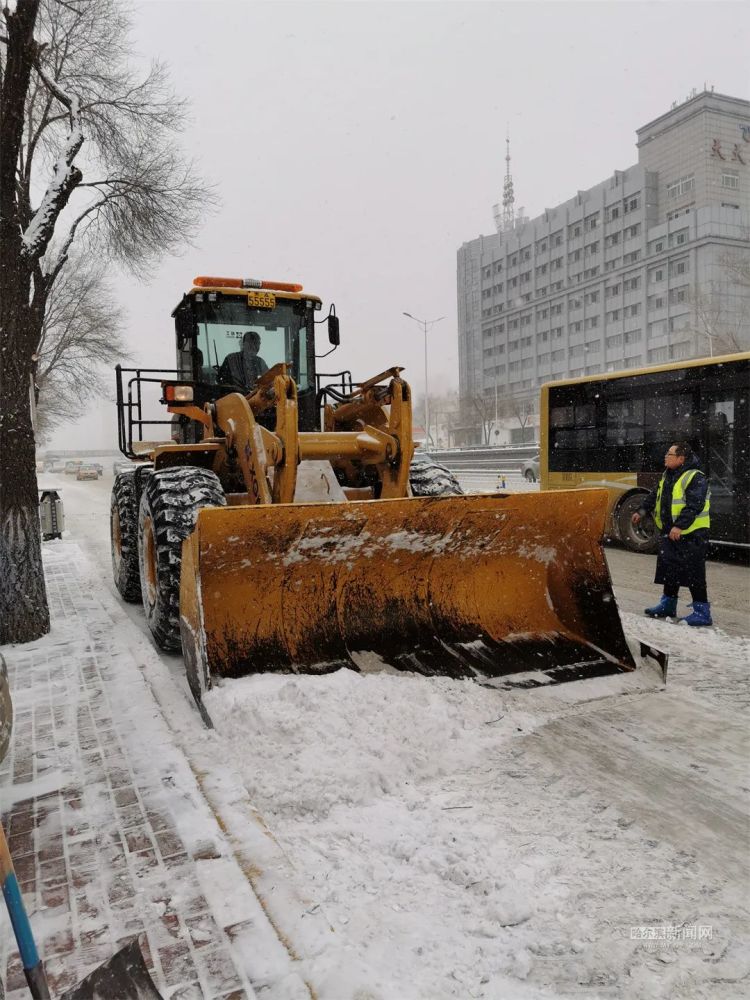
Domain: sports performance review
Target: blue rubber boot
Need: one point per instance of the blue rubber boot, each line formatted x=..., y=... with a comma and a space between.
x=700, y=615
x=666, y=608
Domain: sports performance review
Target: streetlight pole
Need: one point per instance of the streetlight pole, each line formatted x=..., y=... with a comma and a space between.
x=425, y=324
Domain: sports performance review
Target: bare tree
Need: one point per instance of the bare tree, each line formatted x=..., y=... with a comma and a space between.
x=522, y=410
x=81, y=335
x=724, y=330
x=484, y=407
x=736, y=264
x=78, y=124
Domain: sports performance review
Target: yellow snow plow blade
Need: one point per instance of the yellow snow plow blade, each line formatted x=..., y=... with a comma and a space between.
x=489, y=585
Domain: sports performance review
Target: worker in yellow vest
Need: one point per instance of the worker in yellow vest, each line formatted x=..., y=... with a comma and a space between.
x=680, y=507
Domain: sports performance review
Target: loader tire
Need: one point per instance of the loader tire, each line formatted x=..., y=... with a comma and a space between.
x=643, y=537
x=169, y=507
x=428, y=479
x=123, y=532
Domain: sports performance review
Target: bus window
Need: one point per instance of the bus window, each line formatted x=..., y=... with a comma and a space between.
x=720, y=458
x=669, y=418
x=625, y=422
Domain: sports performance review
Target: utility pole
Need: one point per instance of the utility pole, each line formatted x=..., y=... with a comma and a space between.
x=425, y=324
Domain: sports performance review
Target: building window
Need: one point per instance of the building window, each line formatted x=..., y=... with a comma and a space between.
x=730, y=179
x=612, y=240
x=556, y=239
x=557, y=355
x=679, y=351
x=658, y=328
x=593, y=346
x=632, y=336
x=683, y=185
x=656, y=275
x=632, y=284
x=631, y=258
x=576, y=351
x=656, y=302
x=591, y=222
x=634, y=310
x=591, y=297
x=677, y=267
x=591, y=322
x=657, y=355
x=679, y=322
x=575, y=302
x=678, y=295
x=678, y=238
x=613, y=315
x=612, y=290
x=574, y=231
x=614, y=341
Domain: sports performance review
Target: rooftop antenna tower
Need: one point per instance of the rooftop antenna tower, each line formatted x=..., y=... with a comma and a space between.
x=508, y=196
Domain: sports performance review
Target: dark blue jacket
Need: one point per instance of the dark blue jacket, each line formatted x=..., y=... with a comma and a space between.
x=695, y=497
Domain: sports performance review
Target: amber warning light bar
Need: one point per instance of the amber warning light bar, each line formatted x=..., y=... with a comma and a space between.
x=203, y=281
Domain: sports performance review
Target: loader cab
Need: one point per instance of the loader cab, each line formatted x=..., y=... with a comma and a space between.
x=212, y=323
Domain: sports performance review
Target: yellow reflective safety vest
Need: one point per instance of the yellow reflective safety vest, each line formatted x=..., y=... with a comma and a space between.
x=702, y=520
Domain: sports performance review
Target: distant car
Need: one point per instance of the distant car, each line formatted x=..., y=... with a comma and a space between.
x=72, y=467
x=99, y=468
x=530, y=469
x=57, y=467
x=87, y=472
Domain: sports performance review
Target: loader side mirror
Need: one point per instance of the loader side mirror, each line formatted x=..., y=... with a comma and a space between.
x=333, y=329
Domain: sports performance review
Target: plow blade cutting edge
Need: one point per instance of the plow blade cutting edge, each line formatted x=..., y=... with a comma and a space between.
x=496, y=586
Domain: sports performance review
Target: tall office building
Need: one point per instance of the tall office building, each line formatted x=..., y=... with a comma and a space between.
x=637, y=270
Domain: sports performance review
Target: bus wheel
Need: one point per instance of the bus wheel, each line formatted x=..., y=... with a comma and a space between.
x=643, y=537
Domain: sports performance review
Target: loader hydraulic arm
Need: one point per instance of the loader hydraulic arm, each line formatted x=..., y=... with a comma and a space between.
x=370, y=428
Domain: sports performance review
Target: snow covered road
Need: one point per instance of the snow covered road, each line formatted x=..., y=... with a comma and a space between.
x=465, y=842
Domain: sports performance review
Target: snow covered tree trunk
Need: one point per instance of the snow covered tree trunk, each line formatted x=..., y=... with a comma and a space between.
x=24, y=614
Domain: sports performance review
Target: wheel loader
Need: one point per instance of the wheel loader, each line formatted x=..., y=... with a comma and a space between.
x=282, y=527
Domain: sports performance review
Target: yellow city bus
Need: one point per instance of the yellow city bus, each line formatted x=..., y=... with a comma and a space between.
x=612, y=430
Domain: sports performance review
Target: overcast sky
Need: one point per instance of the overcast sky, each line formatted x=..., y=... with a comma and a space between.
x=355, y=146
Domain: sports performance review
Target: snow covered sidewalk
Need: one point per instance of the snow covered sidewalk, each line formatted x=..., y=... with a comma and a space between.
x=110, y=831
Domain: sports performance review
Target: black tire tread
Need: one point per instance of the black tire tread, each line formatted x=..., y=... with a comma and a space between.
x=127, y=575
x=428, y=478
x=172, y=497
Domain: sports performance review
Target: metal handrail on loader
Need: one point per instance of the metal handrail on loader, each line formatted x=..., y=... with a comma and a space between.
x=130, y=410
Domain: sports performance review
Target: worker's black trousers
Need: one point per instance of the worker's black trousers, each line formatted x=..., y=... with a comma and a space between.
x=699, y=594
x=683, y=564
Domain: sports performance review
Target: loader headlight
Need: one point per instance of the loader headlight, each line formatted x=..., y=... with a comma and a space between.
x=179, y=394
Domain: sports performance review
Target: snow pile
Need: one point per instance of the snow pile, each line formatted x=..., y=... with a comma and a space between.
x=458, y=837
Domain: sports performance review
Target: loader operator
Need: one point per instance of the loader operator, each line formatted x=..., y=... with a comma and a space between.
x=680, y=506
x=244, y=367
